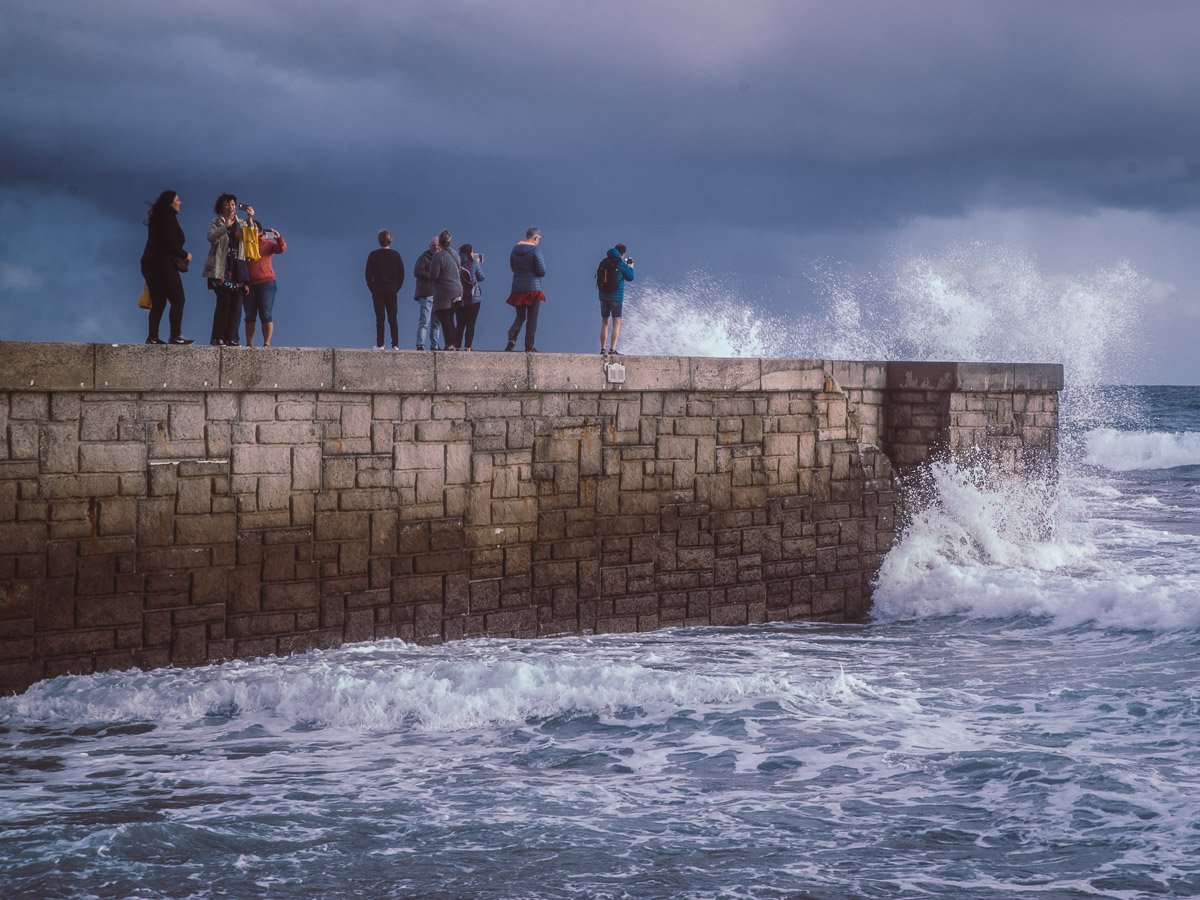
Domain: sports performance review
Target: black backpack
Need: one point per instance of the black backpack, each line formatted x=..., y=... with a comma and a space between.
x=608, y=278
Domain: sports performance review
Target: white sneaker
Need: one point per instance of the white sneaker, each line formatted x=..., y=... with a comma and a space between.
x=380, y=347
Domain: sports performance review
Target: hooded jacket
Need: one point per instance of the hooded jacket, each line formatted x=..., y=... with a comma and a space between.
x=473, y=264
x=624, y=273
x=528, y=266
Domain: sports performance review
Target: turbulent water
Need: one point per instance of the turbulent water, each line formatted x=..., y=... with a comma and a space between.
x=1019, y=719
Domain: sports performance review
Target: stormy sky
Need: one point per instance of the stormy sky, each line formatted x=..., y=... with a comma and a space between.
x=761, y=142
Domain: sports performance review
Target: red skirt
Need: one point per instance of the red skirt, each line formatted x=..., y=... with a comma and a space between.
x=525, y=298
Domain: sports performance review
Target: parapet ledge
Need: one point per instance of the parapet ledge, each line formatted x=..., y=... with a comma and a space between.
x=35, y=366
x=972, y=376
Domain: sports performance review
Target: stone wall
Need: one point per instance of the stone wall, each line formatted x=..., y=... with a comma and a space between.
x=161, y=505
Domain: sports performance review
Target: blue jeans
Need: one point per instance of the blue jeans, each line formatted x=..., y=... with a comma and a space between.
x=260, y=301
x=427, y=326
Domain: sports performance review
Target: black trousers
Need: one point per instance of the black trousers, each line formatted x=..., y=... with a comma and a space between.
x=524, y=313
x=385, y=303
x=445, y=318
x=227, y=316
x=465, y=315
x=165, y=287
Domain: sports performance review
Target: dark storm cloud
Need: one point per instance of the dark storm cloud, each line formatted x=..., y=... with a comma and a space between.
x=590, y=117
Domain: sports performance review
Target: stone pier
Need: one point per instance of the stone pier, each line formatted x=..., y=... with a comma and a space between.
x=176, y=506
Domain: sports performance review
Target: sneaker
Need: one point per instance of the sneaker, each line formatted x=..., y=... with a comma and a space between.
x=603, y=352
x=155, y=340
x=377, y=347
x=232, y=344
x=531, y=350
x=508, y=347
x=614, y=352
x=180, y=340
x=421, y=347
x=217, y=342
x=394, y=347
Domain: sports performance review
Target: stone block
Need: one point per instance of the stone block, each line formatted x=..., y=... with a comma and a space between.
x=922, y=376
x=461, y=373
x=711, y=374
x=46, y=366
x=656, y=373
x=985, y=377
x=253, y=459
x=792, y=375
x=366, y=371
x=139, y=367
x=277, y=369
x=566, y=372
x=1037, y=377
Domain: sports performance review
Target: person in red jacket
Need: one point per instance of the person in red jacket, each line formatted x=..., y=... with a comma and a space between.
x=261, y=300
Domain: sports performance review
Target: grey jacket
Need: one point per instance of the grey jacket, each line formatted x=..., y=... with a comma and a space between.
x=218, y=248
x=443, y=272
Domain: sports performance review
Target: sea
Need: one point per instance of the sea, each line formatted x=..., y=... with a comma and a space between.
x=1018, y=718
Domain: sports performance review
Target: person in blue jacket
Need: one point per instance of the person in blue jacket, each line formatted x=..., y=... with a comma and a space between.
x=611, y=276
x=528, y=268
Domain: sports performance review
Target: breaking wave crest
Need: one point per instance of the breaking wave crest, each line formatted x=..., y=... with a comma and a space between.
x=1126, y=451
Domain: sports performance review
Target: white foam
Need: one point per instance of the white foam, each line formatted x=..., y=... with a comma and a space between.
x=1125, y=451
x=988, y=550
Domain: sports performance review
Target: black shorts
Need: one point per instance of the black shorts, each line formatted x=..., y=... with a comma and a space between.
x=610, y=306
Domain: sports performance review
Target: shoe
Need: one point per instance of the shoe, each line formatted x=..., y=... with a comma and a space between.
x=377, y=347
x=603, y=352
x=508, y=347
x=155, y=340
x=217, y=342
x=394, y=347
x=421, y=347
x=180, y=340
x=615, y=352
x=232, y=344
x=531, y=350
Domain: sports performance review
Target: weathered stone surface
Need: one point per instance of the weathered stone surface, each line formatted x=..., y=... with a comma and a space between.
x=47, y=367
x=305, y=498
x=137, y=367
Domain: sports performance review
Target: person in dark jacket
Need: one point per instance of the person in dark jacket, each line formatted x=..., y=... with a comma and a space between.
x=467, y=312
x=528, y=268
x=447, y=287
x=162, y=261
x=427, y=325
x=619, y=270
x=385, y=277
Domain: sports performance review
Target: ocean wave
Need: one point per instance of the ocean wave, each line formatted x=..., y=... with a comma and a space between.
x=1124, y=451
x=384, y=694
x=985, y=549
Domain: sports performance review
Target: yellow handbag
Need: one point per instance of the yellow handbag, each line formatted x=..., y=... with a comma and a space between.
x=144, y=297
x=250, y=242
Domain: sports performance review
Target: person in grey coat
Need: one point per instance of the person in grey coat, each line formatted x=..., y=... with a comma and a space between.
x=447, y=287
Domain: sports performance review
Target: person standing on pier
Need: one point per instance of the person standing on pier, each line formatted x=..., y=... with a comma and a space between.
x=225, y=268
x=612, y=273
x=427, y=325
x=528, y=268
x=260, y=302
x=385, y=277
x=162, y=261
x=447, y=288
x=471, y=274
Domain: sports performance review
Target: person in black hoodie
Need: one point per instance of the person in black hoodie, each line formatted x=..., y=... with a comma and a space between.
x=385, y=277
x=162, y=261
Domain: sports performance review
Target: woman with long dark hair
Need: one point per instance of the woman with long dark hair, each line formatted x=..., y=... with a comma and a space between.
x=226, y=271
x=162, y=261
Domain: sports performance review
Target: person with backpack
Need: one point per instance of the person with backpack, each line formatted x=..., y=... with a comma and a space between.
x=612, y=273
x=465, y=313
x=427, y=325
